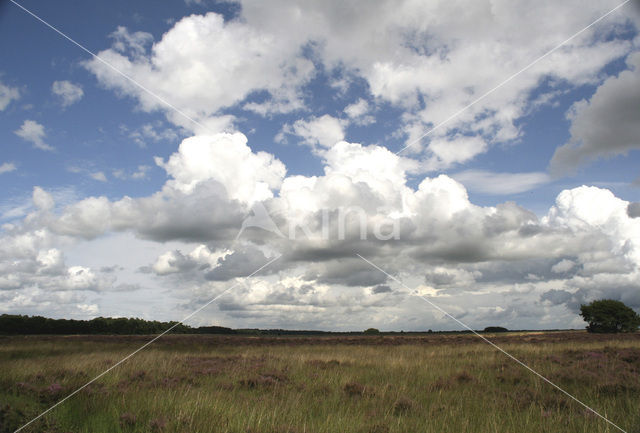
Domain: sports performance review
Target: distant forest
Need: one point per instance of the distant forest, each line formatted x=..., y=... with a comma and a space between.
x=30, y=325
x=12, y=324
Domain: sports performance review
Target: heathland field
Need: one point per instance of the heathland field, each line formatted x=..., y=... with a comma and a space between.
x=364, y=384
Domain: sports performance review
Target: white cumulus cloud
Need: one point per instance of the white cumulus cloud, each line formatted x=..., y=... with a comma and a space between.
x=204, y=64
x=68, y=92
x=323, y=131
x=226, y=158
x=32, y=131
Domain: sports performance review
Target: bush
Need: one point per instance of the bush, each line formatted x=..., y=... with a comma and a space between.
x=607, y=315
x=495, y=329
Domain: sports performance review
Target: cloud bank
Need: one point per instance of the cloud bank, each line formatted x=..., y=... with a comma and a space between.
x=463, y=254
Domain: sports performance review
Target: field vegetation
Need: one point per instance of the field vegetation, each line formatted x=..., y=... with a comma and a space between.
x=363, y=384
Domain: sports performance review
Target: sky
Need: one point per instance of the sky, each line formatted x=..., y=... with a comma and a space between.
x=320, y=165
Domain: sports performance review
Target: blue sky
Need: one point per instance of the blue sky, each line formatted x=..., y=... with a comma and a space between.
x=112, y=197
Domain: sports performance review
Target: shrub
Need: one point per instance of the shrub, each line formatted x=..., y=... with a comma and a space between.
x=403, y=405
x=495, y=329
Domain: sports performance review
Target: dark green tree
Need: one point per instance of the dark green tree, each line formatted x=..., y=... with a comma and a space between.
x=371, y=331
x=495, y=329
x=607, y=315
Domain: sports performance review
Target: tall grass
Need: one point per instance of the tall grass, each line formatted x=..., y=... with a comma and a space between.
x=317, y=388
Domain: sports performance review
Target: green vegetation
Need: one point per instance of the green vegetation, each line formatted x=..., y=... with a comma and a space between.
x=430, y=383
x=495, y=329
x=30, y=325
x=608, y=315
x=37, y=325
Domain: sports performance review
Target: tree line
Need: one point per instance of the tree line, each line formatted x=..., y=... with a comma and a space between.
x=30, y=325
x=605, y=315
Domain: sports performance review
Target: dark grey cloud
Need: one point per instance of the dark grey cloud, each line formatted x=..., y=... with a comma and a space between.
x=348, y=272
x=182, y=263
x=509, y=217
x=111, y=269
x=633, y=210
x=556, y=296
x=517, y=271
x=617, y=288
x=382, y=288
x=224, y=305
x=202, y=215
x=439, y=278
x=608, y=124
x=205, y=215
x=241, y=263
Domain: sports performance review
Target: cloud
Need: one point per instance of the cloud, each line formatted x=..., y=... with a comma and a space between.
x=95, y=175
x=134, y=43
x=142, y=172
x=151, y=132
x=33, y=132
x=7, y=167
x=420, y=64
x=448, y=277
x=213, y=182
x=172, y=262
x=7, y=94
x=99, y=176
x=42, y=199
x=606, y=125
x=557, y=296
x=454, y=241
x=382, y=288
x=214, y=64
x=446, y=152
x=67, y=92
x=323, y=131
x=89, y=309
x=261, y=61
x=226, y=158
x=633, y=210
x=201, y=260
x=34, y=262
x=563, y=266
x=37, y=301
x=239, y=263
x=357, y=112
x=349, y=271
x=203, y=214
x=488, y=182
x=613, y=246
x=473, y=258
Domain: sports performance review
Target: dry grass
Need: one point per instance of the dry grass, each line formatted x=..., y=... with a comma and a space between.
x=186, y=384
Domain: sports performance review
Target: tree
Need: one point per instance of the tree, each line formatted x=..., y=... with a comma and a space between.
x=495, y=329
x=371, y=331
x=607, y=315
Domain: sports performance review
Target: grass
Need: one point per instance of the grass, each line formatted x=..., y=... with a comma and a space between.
x=370, y=385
